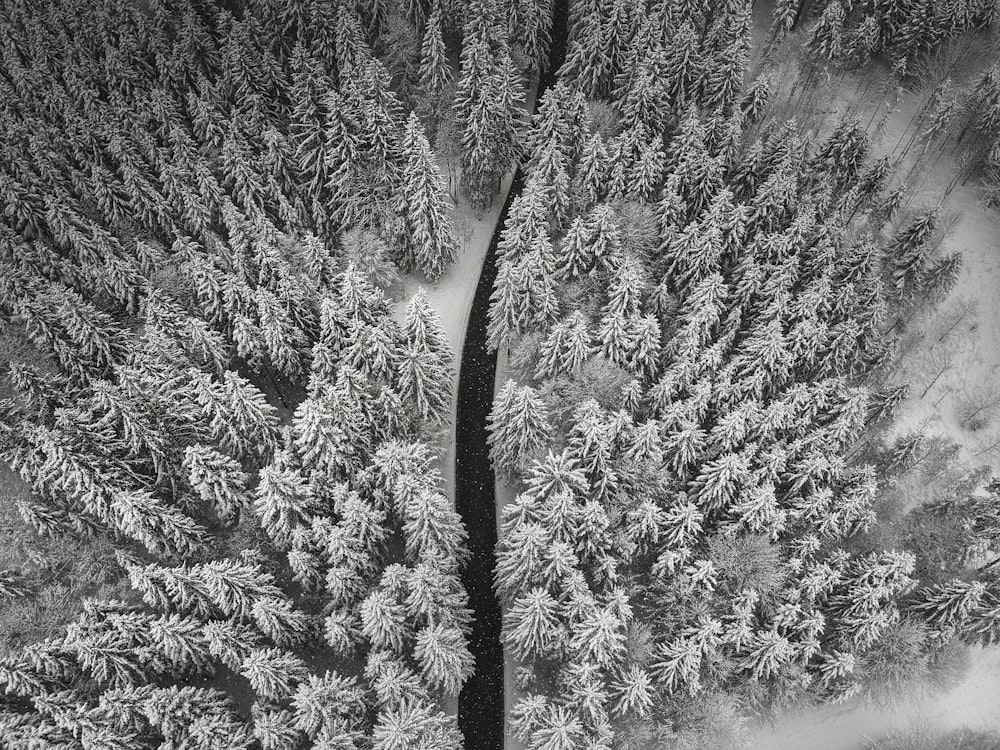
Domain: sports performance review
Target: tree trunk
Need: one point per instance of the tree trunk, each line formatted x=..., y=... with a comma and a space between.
x=990, y=564
x=800, y=13
x=941, y=372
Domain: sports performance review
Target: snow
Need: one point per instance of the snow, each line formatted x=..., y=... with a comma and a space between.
x=974, y=704
x=975, y=342
x=505, y=493
x=975, y=345
x=451, y=296
x=974, y=348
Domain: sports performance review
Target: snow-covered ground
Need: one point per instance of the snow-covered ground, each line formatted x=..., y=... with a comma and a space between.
x=960, y=339
x=974, y=704
x=451, y=296
x=973, y=344
x=962, y=334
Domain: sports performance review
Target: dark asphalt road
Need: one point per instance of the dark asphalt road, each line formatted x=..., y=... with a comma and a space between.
x=481, y=703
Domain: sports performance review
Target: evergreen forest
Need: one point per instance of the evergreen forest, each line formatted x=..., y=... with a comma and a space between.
x=720, y=461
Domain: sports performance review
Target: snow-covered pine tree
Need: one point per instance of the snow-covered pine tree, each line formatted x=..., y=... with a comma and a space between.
x=218, y=479
x=487, y=103
x=429, y=239
x=907, y=254
x=567, y=346
x=435, y=68
x=518, y=426
x=284, y=499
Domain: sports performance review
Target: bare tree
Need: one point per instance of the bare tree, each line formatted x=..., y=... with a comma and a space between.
x=932, y=364
x=978, y=407
x=954, y=317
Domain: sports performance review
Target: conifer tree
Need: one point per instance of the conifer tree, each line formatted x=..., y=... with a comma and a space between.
x=430, y=528
x=684, y=66
x=328, y=704
x=487, y=102
x=518, y=425
x=444, y=657
x=566, y=348
x=435, y=68
x=532, y=627
x=826, y=40
x=588, y=62
x=413, y=722
x=532, y=28
x=218, y=479
x=159, y=527
x=907, y=254
x=431, y=245
x=591, y=175
x=284, y=500
x=951, y=605
x=273, y=674
x=239, y=414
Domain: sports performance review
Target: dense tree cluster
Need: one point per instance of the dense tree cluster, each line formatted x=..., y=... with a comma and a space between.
x=966, y=118
x=699, y=315
x=205, y=206
x=929, y=44
x=855, y=33
x=202, y=205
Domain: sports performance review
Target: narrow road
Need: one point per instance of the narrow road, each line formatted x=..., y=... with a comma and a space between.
x=481, y=703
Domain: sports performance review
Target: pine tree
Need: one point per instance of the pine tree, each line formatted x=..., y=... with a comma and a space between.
x=284, y=500
x=727, y=45
x=415, y=722
x=941, y=277
x=607, y=236
x=195, y=717
x=907, y=254
x=486, y=103
x=634, y=693
x=273, y=674
x=218, y=479
x=826, y=39
x=328, y=704
x=383, y=622
x=560, y=729
x=490, y=140
x=768, y=653
x=435, y=68
x=444, y=658
x=240, y=415
x=566, y=348
x=508, y=311
x=684, y=66
x=531, y=626
x=280, y=622
x=527, y=221
x=430, y=527
x=532, y=28
x=616, y=337
x=273, y=728
x=518, y=425
x=431, y=245
x=159, y=527
x=327, y=434
x=785, y=14
x=590, y=177
x=951, y=605
x=588, y=60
